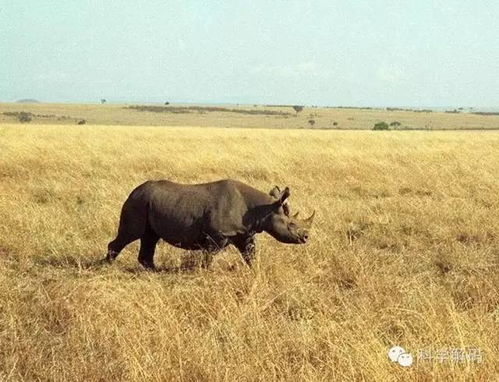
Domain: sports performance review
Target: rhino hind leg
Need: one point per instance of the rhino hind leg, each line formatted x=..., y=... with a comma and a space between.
x=133, y=222
x=148, y=243
x=116, y=246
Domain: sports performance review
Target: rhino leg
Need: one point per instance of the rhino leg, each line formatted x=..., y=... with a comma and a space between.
x=246, y=245
x=214, y=244
x=147, y=247
x=116, y=246
x=207, y=259
x=133, y=221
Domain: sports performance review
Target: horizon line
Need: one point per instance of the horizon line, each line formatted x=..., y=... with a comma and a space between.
x=277, y=104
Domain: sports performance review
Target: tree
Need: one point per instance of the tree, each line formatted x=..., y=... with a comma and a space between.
x=311, y=122
x=103, y=101
x=297, y=108
x=381, y=126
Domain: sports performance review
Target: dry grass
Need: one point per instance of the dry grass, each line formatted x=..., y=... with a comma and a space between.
x=405, y=251
x=325, y=118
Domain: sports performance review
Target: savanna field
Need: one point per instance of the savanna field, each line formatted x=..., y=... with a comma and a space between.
x=404, y=251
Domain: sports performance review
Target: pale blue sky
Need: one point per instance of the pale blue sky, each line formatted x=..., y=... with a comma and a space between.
x=359, y=52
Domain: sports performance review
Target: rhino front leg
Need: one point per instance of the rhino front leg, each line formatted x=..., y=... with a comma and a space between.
x=246, y=245
x=214, y=244
x=207, y=259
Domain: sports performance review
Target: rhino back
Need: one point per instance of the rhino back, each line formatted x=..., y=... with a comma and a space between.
x=186, y=213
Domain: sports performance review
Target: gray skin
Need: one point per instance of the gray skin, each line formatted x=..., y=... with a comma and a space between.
x=206, y=217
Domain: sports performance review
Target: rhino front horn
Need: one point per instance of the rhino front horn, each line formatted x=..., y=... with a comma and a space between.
x=310, y=219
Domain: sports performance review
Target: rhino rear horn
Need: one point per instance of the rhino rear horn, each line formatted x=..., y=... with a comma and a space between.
x=310, y=220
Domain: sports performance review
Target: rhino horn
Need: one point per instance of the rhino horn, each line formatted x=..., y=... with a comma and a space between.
x=310, y=219
x=295, y=215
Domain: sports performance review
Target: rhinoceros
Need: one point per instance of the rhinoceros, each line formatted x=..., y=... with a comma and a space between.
x=206, y=217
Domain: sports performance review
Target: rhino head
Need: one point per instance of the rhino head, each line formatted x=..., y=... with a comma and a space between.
x=281, y=225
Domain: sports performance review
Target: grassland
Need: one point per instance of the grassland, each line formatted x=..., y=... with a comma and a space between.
x=243, y=116
x=405, y=251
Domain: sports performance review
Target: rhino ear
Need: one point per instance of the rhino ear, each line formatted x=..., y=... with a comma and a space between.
x=275, y=192
x=284, y=195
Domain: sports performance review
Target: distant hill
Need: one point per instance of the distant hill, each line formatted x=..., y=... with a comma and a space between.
x=27, y=100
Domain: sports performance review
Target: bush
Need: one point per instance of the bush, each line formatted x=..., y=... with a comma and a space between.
x=24, y=117
x=381, y=126
x=395, y=124
x=81, y=122
x=311, y=122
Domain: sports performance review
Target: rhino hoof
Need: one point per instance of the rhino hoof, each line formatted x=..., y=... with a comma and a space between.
x=148, y=266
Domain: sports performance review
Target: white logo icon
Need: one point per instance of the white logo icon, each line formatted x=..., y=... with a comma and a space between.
x=398, y=354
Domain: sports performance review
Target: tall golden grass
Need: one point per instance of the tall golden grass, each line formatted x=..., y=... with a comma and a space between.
x=405, y=251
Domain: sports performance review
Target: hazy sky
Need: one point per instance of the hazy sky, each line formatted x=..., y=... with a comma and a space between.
x=357, y=52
